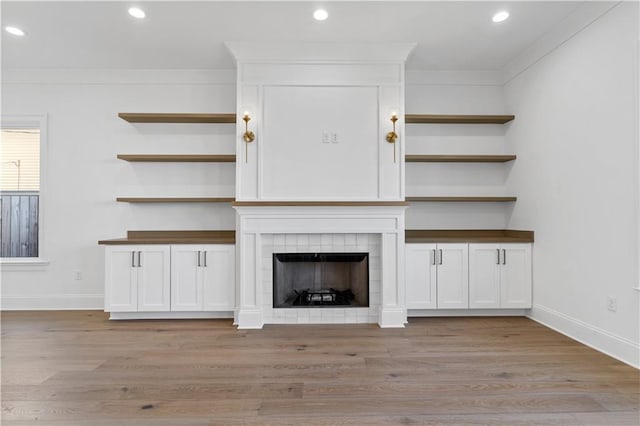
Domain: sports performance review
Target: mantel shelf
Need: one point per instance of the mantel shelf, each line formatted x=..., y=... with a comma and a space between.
x=319, y=203
x=456, y=119
x=459, y=158
x=175, y=199
x=179, y=158
x=465, y=199
x=136, y=117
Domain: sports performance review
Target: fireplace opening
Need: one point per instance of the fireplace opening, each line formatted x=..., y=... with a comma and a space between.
x=320, y=280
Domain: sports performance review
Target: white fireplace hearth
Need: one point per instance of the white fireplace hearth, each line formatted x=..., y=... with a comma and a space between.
x=264, y=230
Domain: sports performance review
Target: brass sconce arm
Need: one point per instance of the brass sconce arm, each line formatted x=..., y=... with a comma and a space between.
x=248, y=135
x=392, y=136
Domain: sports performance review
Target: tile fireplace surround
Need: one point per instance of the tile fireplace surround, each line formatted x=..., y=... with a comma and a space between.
x=264, y=230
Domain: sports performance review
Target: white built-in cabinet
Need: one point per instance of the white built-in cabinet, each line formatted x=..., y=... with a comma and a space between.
x=468, y=276
x=420, y=276
x=437, y=276
x=137, y=278
x=500, y=275
x=162, y=278
x=202, y=277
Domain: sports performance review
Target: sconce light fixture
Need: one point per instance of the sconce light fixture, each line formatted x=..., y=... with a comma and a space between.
x=392, y=136
x=248, y=135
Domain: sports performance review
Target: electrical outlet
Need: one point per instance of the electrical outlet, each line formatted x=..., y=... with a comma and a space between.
x=326, y=137
x=612, y=303
x=334, y=138
x=77, y=275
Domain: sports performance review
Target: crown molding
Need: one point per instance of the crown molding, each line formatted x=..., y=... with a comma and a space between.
x=300, y=52
x=584, y=15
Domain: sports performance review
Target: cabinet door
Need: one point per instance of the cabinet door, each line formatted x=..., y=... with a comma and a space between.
x=420, y=276
x=154, y=291
x=120, y=289
x=219, y=277
x=515, y=276
x=186, y=278
x=484, y=275
x=453, y=276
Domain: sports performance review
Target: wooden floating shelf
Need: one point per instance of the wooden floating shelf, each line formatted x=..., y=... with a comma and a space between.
x=175, y=199
x=464, y=199
x=459, y=158
x=178, y=158
x=136, y=117
x=456, y=119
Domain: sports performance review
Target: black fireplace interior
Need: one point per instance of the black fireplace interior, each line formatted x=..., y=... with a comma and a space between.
x=320, y=280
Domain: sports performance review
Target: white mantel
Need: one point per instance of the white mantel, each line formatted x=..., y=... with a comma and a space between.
x=320, y=113
x=255, y=223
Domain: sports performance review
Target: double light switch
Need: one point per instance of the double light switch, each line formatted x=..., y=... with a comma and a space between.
x=330, y=137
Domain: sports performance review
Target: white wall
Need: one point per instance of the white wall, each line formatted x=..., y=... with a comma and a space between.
x=575, y=176
x=84, y=177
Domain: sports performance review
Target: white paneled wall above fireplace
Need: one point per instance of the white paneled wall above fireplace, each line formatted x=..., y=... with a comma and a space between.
x=320, y=113
x=322, y=142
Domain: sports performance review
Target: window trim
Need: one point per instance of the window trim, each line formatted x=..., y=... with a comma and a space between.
x=36, y=121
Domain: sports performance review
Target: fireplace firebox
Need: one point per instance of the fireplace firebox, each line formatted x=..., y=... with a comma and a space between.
x=320, y=280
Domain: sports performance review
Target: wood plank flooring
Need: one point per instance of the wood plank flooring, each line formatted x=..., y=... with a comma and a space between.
x=77, y=368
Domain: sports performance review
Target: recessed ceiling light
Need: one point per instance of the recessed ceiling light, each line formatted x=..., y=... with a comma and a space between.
x=15, y=31
x=136, y=12
x=500, y=16
x=320, y=15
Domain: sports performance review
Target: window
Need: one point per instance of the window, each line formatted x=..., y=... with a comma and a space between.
x=20, y=188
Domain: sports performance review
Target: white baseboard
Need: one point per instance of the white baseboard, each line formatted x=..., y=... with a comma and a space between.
x=617, y=347
x=52, y=302
x=466, y=313
x=169, y=315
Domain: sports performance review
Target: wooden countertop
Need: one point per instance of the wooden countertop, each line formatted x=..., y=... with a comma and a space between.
x=411, y=236
x=174, y=237
x=468, y=236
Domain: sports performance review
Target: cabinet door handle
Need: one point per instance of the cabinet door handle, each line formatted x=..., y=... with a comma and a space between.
x=440, y=257
x=504, y=257
x=139, y=259
x=198, y=258
x=433, y=261
x=133, y=259
x=498, y=262
x=205, y=258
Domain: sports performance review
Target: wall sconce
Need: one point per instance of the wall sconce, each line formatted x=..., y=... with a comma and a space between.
x=248, y=135
x=392, y=136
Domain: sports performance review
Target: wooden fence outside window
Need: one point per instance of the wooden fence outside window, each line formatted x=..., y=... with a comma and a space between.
x=19, y=219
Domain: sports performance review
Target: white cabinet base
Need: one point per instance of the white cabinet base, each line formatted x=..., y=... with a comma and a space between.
x=415, y=313
x=166, y=281
x=169, y=315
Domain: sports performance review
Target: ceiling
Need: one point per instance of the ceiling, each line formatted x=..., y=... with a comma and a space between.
x=190, y=35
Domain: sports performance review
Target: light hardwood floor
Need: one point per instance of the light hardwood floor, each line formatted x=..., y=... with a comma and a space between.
x=77, y=368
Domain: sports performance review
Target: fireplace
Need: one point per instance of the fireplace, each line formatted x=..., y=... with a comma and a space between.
x=374, y=229
x=316, y=280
